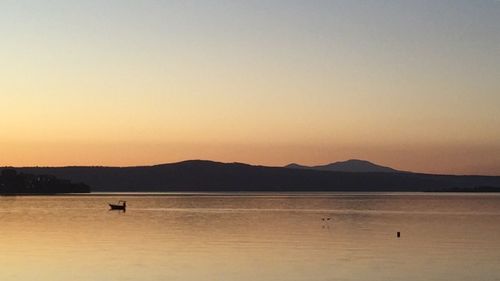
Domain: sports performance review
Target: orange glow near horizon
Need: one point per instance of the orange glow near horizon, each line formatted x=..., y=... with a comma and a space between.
x=417, y=158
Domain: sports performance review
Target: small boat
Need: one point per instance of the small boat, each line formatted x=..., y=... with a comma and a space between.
x=122, y=205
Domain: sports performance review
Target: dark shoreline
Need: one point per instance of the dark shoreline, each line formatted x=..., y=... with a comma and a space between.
x=482, y=189
x=250, y=194
x=208, y=176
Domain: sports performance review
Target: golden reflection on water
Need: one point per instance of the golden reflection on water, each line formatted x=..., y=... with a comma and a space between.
x=444, y=237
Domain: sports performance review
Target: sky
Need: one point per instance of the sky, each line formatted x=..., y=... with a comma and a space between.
x=410, y=84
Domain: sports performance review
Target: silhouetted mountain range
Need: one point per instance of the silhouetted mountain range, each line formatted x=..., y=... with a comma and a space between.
x=208, y=176
x=353, y=165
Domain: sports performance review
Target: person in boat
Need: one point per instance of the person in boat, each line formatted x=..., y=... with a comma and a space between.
x=123, y=205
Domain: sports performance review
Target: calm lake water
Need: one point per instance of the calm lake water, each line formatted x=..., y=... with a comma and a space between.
x=251, y=237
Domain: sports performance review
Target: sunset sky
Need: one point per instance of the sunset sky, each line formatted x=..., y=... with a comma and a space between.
x=414, y=85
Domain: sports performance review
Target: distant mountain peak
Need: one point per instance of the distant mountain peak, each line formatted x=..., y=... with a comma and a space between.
x=295, y=166
x=355, y=161
x=351, y=165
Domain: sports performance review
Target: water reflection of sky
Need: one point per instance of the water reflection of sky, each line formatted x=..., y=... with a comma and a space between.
x=251, y=238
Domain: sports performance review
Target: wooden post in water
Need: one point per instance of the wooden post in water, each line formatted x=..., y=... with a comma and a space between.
x=399, y=234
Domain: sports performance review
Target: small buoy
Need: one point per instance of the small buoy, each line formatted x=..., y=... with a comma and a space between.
x=322, y=219
x=399, y=234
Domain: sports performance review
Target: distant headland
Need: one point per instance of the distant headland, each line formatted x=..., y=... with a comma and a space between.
x=12, y=182
x=210, y=176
